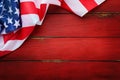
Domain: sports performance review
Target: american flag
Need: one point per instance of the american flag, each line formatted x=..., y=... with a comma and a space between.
x=19, y=17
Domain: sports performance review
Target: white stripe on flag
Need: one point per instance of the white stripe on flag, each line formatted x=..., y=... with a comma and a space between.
x=1, y=42
x=27, y=0
x=29, y=20
x=99, y=1
x=77, y=7
x=11, y=45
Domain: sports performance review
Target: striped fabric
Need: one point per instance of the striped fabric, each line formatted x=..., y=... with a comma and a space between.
x=33, y=13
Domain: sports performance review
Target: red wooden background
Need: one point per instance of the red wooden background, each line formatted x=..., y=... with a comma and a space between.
x=67, y=47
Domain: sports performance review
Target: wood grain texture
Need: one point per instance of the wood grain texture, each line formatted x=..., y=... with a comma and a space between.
x=69, y=25
x=59, y=71
x=68, y=49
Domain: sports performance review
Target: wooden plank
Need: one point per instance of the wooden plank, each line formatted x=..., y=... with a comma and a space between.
x=68, y=49
x=108, y=6
x=69, y=25
x=59, y=71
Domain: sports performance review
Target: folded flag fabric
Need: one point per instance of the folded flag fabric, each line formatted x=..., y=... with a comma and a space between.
x=19, y=17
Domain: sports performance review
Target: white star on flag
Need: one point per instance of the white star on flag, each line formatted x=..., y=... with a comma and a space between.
x=17, y=11
x=5, y=25
x=1, y=16
x=17, y=23
x=9, y=20
x=16, y=1
x=10, y=10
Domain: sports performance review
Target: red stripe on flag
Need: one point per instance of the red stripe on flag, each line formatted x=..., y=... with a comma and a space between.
x=88, y=4
x=19, y=35
x=28, y=8
x=42, y=11
x=65, y=6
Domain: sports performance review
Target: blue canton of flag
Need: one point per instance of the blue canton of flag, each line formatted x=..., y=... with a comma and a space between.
x=10, y=19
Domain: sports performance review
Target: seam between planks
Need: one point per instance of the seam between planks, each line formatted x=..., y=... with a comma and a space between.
x=45, y=37
x=61, y=61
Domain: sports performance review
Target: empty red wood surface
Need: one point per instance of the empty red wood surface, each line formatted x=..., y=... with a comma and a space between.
x=67, y=47
x=69, y=25
x=59, y=71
